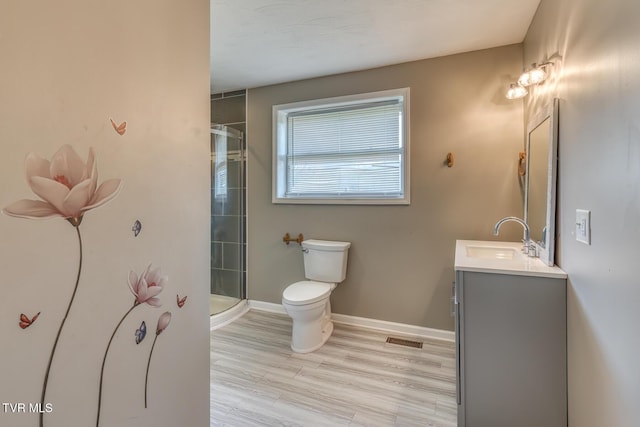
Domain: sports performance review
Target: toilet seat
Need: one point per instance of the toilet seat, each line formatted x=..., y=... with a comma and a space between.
x=306, y=292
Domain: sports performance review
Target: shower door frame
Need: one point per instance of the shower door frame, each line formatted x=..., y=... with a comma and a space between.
x=238, y=155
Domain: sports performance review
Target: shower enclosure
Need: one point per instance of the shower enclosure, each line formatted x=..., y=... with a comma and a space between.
x=228, y=218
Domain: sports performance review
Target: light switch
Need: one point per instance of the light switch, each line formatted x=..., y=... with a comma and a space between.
x=583, y=226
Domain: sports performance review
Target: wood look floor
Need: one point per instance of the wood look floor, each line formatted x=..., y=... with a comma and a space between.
x=355, y=379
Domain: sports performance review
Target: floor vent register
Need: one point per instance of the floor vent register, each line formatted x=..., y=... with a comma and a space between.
x=407, y=343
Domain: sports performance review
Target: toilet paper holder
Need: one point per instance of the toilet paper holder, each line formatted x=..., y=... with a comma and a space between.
x=287, y=239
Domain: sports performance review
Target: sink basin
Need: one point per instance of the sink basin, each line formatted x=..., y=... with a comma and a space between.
x=491, y=252
x=500, y=258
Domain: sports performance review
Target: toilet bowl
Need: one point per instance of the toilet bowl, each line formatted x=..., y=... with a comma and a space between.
x=307, y=302
x=308, y=305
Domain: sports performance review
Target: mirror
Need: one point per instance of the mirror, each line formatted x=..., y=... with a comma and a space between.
x=540, y=183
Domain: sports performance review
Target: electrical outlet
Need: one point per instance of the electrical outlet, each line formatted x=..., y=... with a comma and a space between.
x=583, y=226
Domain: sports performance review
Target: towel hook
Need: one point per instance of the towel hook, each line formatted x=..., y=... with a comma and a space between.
x=522, y=158
x=450, y=160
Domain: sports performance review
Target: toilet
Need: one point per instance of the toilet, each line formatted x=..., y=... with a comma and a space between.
x=307, y=301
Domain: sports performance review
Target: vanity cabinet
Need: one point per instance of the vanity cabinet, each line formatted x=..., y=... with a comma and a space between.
x=511, y=344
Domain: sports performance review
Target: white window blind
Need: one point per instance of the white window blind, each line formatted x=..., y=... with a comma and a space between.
x=342, y=150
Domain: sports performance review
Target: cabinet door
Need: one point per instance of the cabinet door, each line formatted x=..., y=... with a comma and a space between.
x=513, y=351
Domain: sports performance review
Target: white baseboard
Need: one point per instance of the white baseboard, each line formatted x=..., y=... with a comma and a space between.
x=393, y=327
x=219, y=320
x=266, y=306
x=381, y=325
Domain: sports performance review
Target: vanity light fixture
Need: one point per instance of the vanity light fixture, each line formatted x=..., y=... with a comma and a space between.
x=516, y=91
x=536, y=75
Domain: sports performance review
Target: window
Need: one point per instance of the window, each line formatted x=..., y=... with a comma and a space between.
x=219, y=156
x=345, y=150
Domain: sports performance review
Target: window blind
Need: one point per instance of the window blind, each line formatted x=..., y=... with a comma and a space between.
x=348, y=151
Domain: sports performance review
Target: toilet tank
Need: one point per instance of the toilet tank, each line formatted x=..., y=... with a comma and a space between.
x=325, y=260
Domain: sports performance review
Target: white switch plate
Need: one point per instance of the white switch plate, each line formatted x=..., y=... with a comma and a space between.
x=583, y=226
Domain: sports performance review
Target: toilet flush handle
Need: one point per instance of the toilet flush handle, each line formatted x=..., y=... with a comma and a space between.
x=305, y=250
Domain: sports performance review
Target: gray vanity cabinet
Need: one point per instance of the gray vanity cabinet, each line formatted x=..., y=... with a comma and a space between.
x=511, y=350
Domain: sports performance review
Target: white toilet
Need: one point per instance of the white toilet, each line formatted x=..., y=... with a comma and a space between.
x=307, y=302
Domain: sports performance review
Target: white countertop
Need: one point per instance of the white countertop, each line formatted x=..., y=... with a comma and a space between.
x=519, y=265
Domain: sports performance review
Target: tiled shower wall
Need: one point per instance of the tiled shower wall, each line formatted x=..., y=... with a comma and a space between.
x=228, y=216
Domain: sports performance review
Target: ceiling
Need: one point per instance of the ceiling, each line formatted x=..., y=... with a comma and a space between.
x=261, y=42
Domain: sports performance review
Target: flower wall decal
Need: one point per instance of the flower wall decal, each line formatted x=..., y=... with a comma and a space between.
x=67, y=187
x=145, y=288
x=163, y=322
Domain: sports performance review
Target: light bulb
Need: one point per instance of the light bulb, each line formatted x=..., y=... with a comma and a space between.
x=534, y=76
x=524, y=79
x=537, y=76
x=516, y=91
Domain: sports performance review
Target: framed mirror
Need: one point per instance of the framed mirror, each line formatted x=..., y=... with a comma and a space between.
x=540, y=182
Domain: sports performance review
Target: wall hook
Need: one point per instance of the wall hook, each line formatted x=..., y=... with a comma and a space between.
x=450, y=160
x=522, y=157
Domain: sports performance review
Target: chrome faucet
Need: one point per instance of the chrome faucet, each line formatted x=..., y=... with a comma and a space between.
x=527, y=246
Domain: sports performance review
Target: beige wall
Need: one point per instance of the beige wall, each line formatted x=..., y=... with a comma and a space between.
x=401, y=261
x=598, y=83
x=67, y=67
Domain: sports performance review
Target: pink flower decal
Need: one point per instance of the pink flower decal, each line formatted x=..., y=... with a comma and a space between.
x=147, y=286
x=163, y=322
x=67, y=186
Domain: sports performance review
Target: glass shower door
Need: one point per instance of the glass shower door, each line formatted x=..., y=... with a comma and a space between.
x=228, y=218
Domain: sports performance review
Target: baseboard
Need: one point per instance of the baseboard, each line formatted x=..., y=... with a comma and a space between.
x=393, y=327
x=266, y=306
x=219, y=320
x=381, y=325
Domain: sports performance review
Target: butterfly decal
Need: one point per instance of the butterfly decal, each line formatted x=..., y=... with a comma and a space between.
x=181, y=301
x=137, y=227
x=119, y=128
x=141, y=332
x=25, y=322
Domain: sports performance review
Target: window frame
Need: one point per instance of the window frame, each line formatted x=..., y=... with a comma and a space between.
x=279, y=148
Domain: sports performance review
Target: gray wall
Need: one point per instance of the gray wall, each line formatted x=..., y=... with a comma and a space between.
x=598, y=83
x=401, y=261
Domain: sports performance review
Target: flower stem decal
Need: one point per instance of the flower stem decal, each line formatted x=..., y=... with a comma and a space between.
x=163, y=322
x=64, y=319
x=144, y=288
x=104, y=359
